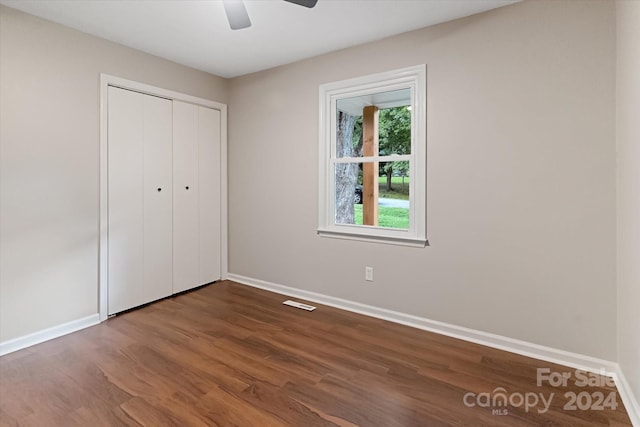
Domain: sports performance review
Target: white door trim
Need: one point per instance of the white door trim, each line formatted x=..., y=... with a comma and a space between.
x=107, y=80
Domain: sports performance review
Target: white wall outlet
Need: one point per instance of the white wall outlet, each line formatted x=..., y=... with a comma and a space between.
x=368, y=274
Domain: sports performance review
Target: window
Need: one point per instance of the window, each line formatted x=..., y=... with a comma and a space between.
x=372, y=182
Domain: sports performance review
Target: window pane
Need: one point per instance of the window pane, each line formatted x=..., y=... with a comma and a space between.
x=391, y=198
x=394, y=180
x=348, y=191
x=393, y=124
x=394, y=129
x=394, y=196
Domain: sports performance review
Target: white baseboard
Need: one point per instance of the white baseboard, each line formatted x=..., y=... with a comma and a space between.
x=536, y=351
x=48, y=334
x=631, y=402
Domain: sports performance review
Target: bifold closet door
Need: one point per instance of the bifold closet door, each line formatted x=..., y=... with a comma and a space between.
x=139, y=199
x=196, y=178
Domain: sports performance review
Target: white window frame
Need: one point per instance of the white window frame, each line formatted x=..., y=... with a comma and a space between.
x=414, y=79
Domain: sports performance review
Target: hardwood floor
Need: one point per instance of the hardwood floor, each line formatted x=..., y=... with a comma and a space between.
x=230, y=355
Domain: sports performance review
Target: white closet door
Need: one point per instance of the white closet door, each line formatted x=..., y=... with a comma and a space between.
x=209, y=193
x=158, y=201
x=126, y=213
x=186, y=258
x=140, y=216
x=196, y=222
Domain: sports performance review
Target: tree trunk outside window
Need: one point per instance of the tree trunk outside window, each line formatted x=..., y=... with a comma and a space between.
x=346, y=173
x=389, y=173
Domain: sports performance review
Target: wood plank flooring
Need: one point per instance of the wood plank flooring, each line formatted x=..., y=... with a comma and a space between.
x=231, y=355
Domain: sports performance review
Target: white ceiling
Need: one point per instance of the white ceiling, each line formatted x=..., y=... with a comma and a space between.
x=196, y=33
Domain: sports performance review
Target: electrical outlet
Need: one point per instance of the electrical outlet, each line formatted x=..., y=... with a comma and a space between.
x=368, y=274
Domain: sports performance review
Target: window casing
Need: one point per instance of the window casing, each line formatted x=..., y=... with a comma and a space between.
x=404, y=88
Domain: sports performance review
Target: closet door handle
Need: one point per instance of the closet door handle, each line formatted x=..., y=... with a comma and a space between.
x=187, y=187
x=159, y=189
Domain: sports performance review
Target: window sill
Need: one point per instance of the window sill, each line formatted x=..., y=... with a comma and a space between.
x=389, y=240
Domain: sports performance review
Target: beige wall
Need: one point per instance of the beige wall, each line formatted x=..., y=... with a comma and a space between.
x=628, y=143
x=49, y=163
x=521, y=177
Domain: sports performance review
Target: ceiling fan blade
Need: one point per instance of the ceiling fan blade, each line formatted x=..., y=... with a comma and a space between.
x=236, y=14
x=305, y=3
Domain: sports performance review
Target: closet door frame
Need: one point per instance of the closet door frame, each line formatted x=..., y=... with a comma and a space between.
x=107, y=80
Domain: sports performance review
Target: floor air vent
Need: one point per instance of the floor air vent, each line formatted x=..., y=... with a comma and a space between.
x=299, y=305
